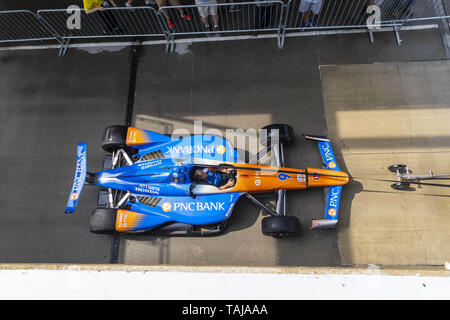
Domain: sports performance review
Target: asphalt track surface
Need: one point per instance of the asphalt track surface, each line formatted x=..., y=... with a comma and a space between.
x=49, y=104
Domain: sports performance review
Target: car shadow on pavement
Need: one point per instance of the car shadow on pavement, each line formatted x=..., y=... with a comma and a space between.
x=318, y=247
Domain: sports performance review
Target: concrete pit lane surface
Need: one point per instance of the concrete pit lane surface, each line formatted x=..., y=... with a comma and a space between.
x=49, y=104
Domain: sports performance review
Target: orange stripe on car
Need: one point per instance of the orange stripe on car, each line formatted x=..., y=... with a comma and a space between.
x=136, y=137
x=128, y=220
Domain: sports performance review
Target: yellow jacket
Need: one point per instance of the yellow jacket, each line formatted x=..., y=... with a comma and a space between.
x=90, y=4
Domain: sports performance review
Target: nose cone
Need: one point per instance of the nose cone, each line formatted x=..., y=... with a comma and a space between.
x=325, y=178
x=346, y=178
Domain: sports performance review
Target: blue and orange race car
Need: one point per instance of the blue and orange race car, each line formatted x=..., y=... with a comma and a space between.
x=189, y=186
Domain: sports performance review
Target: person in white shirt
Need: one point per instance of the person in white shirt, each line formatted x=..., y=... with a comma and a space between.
x=309, y=9
x=206, y=11
x=129, y=3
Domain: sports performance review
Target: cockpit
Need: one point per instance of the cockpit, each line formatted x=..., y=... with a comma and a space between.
x=221, y=176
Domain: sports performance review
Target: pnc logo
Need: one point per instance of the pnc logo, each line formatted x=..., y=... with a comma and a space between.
x=332, y=212
x=74, y=196
x=332, y=165
x=166, y=206
x=221, y=149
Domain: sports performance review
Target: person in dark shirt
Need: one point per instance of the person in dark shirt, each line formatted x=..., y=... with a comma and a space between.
x=221, y=178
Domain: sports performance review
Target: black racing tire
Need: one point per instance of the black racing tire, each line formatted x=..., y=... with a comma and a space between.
x=286, y=134
x=400, y=186
x=397, y=167
x=103, y=221
x=280, y=226
x=114, y=138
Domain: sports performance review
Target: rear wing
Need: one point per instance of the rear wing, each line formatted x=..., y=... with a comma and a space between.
x=78, y=181
x=332, y=193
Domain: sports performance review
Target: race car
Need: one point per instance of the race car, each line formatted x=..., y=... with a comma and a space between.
x=189, y=185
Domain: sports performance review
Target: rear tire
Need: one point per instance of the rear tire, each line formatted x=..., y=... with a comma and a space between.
x=103, y=221
x=114, y=138
x=286, y=134
x=280, y=226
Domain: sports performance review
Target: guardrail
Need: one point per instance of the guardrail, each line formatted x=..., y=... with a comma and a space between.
x=215, y=19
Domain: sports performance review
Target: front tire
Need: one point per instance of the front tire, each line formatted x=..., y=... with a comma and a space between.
x=285, y=134
x=114, y=138
x=280, y=226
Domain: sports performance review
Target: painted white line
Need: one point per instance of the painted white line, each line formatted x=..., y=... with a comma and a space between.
x=213, y=39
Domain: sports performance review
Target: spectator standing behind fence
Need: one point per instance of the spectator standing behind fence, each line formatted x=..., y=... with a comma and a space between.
x=100, y=6
x=263, y=16
x=206, y=11
x=130, y=3
x=164, y=3
x=310, y=9
x=402, y=9
x=376, y=2
x=233, y=7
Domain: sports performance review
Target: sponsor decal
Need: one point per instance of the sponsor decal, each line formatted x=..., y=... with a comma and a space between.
x=121, y=222
x=166, y=206
x=74, y=196
x=221, y=149
x=258, y=178
x=128, y=220
x=301, y=177
x=283, y=176
x=332, y=212
x=327, y=152
x=315, y=176
x=193, y=206
x=230, y=209
x=81, y=162
x=190, y=149
x=131, y=136
x=146, y=188
x=149, y=164
x=334, y=197
x=332, y=165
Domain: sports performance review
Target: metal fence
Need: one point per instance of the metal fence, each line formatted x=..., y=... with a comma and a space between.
x=23, y=25
x=219, y=20
x=213, y=19
x=110, y=23
x=351, y=14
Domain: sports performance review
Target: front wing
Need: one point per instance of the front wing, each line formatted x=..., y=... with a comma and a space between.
x=333, y=193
